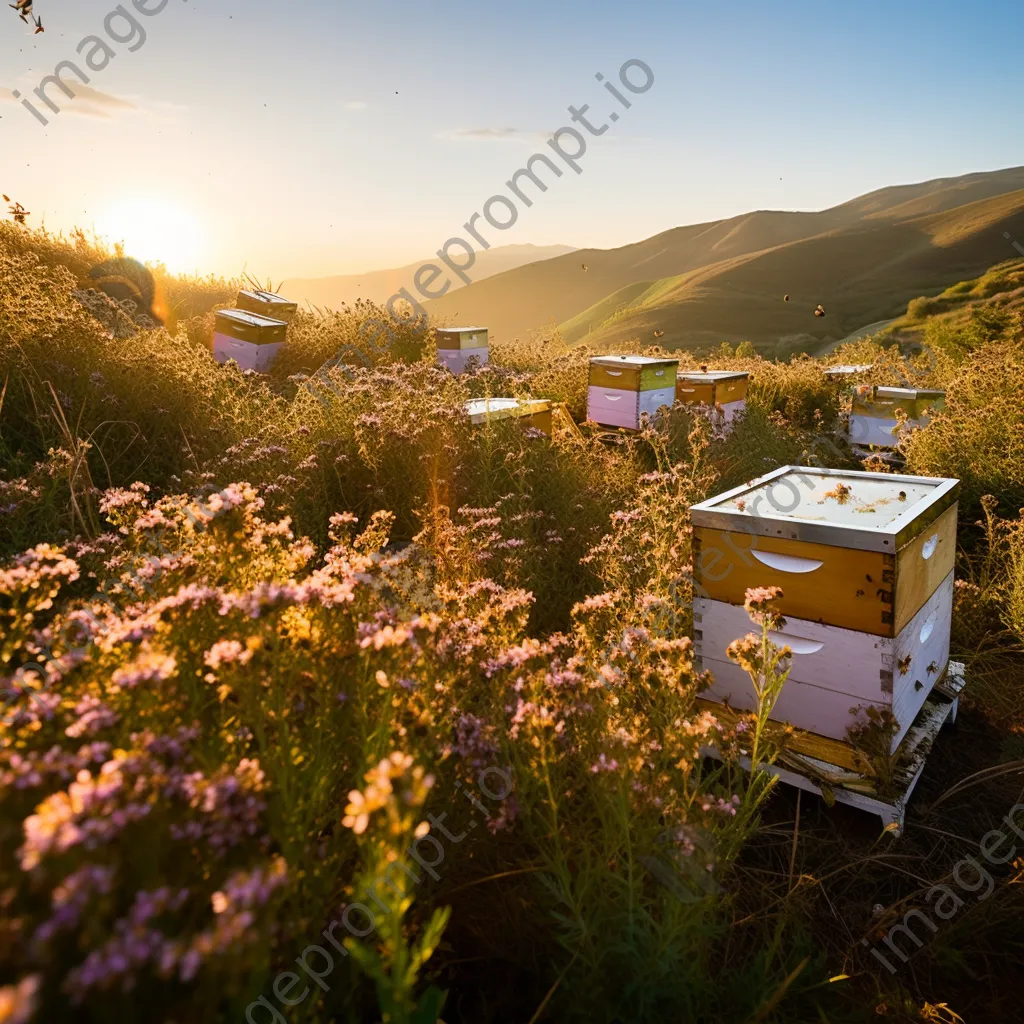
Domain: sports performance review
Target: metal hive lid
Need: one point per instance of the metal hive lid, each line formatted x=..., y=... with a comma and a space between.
x=842, y=371
x=480, y=408
x=272, y=297
x=243, y=316
x=640, y=361
x=805, y=503
x=893, y=392
x=712, y=376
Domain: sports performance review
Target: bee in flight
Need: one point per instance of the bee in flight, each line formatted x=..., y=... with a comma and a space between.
x=24, y=9
x=17, y=211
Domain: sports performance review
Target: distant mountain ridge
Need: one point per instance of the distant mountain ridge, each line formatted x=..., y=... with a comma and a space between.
x=863, y=260
x=381, y=285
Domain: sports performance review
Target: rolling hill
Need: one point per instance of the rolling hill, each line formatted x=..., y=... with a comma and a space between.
x=726, y=280
x=379, y=285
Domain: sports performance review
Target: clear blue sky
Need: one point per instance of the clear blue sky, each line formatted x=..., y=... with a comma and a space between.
x=329, y=137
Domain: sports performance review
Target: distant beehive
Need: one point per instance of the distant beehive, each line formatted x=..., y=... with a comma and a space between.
x=457, y=345
x=253, y=341
x=845, y=372
x=533, y=412
x=873, y=418
x=624, y=388
x=865, y=563
x=267, y=304
x=712, y=389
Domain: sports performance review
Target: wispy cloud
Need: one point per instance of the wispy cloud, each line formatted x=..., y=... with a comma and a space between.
x=494, y=135
x=87, y=101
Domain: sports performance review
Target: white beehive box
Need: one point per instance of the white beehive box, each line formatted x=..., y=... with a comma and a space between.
x=253, y=341
x=533, y=412
x=456, y=346
x=874, y=420
x=865, y=563
x=623, y=389
x=848, y=372
x=836, y=674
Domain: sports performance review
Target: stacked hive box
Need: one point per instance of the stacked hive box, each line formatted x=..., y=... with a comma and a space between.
x=532, y=412
x=267, y=304
x=625, y=388
x=714, y=389
x=457, y=345
x=865, y=563
x=873, y=418
x=251, y=340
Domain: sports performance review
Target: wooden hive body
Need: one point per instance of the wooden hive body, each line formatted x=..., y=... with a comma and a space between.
x=865, y=563
x=623, y=389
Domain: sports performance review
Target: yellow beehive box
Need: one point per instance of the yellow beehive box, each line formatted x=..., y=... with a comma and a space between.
x=714, y=389
x=861, y=551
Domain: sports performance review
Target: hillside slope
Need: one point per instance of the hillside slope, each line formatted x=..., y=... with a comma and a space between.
x=379, y=285
x=860, y=275
x=725, y=280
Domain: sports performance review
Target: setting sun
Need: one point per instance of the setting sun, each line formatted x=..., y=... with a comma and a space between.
x=155, y=231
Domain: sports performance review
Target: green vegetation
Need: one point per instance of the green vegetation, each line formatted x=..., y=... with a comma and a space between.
x=690, y=287
x=256, y=631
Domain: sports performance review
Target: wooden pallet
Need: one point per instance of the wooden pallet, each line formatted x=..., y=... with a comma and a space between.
x=839, y=783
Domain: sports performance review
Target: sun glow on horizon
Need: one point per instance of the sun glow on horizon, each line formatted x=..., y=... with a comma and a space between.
x=155, y=231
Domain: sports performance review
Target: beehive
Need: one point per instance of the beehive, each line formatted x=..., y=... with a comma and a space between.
x=267, y=304
x=865, y=563
x=842, y=373
x=253, y=341
x=533, y=412
x=457, y=345
x=711, y=389
x=623, y=389
x=873, y=418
